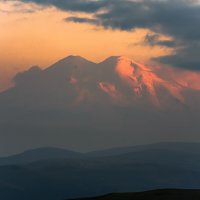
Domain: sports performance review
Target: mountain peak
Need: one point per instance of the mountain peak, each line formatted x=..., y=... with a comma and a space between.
x=115, y=59
x=74, y=58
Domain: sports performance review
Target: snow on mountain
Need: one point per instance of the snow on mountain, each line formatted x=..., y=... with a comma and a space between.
x=74, y=80
x=78, y=103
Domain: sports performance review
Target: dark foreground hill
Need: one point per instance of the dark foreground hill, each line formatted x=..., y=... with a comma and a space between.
x=168, y=194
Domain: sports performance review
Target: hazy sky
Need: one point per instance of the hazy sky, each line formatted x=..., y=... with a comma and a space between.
x=32, y=34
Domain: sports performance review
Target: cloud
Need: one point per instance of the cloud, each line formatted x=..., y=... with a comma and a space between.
x=81, y=20
x=154, y=39
x=178, y=19
x=185, y=56
x=88, y=6
x=10, y=7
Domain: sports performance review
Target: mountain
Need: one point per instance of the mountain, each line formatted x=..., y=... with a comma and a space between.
x=168, y=194
x=83, y=176
x=82, y=105
x=75, y=80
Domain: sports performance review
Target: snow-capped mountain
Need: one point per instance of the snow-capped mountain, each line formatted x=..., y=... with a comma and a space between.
x=117, y=101
x=75, y=80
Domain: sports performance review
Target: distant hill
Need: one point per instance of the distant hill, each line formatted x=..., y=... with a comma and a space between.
x=168, y=194
x=48, y=153
x=175, y=146
x=33, y=155
x=50, y=174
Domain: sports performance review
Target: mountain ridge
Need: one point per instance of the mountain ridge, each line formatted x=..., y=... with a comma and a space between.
x=42, y=153
x=110, y=79
x=45, y=153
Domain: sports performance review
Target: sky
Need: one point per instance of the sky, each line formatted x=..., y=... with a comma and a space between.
x=38, y=34
x=98, y=99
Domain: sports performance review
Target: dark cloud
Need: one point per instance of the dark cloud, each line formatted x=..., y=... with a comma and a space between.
x=73, y=5
x=81, y=20
x=186, y=56
x=178, y=19
x=154, y=39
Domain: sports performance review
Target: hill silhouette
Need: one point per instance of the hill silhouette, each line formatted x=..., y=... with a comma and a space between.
x=50, y=173
x=167, y=194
